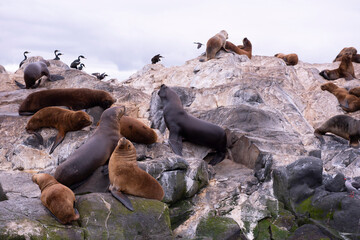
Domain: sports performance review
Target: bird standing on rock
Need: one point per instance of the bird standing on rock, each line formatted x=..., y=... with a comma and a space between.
x=76, y=62
x=22, y=62
x=156, y=58
x=81, y=66
x=100, y=76
x=57, y=54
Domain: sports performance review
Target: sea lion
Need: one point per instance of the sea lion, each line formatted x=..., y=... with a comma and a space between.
x=247, y=46
x=290, y=59
x=126, y=176
x=343, y=126
x=184, y=126
x=215, y=43
x=136, y=131
x=348, y=102
x=95, y=152
x=345, y=70
x=355, y=91
x=33, y=72
x=59, y=199
x=62, y=119
x=355, y=58
x=156, y=58
x=348, y=50
x=230, y=46
x=73, y=98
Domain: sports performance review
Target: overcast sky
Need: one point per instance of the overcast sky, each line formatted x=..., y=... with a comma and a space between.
x=120, y=37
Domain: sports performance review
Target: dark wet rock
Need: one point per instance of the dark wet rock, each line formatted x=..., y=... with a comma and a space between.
x=309, y=231
x=337, y=184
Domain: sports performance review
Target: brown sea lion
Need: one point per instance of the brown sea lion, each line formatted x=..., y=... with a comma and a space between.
x=59, y=199
x=95, y=152
x=247, y=46
x=345, y=70
x=355, y=91
x=126, y=177
x=230, y=46
x=348, y=102
x=73, y=98
x=33, y=72
x=348, y=50
x=355, y=58
x=184, y=126
x=62, y=119
x=343, y=126
x=215, y=43
x=290, y=59
x=136, y=131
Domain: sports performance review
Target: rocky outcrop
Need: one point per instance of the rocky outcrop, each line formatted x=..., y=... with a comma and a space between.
x=276, y=177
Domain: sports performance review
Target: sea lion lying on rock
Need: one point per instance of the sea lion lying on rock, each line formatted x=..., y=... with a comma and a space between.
x=345, y=70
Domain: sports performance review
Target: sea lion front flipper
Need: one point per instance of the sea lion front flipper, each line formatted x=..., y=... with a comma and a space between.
x=348, y=76
x=319, y=134
x=53, y=215
x=59, y=138
x=344, y=104
x=354, y=142
x=218, y=158
x=37, y=84
x=38, y=136
x=123, y=199
x=175, y=141
x=20, y=85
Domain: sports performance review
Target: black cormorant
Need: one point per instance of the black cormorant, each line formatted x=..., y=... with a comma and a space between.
x=22, y=62
x=76, y=62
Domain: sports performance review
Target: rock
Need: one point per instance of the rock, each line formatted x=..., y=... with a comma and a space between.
x=337, y=184
x=308, y=231
x=214, y=227
x=2, y=194
x=2, y=69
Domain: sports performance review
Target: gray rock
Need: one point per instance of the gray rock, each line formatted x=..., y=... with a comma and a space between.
x=2, y=194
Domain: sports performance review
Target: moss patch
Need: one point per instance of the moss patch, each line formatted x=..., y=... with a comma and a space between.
x=216, y=227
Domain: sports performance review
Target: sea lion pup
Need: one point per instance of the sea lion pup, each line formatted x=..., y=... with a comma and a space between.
x=73, y=98
x=345, y=70
x=184, y=126
x=290, y=59
x=230, y=46
x=247, y=46
x=95, y=152
x=136, y=131
x=215, y=43
x=156, y=58
x=62, y=119
x=348, y=50
x=59, y=199
x=126, y=177
x=343, y=126
x=347, y=101
x=32, y=73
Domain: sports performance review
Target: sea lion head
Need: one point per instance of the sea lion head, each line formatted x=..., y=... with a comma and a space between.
x=125, y=146
x=224, y=33
x=43, y=180
x=279, y=55
x=107, y=101
x=82, y=119
x=328, y=86
x=162, y=91
x=112, y=114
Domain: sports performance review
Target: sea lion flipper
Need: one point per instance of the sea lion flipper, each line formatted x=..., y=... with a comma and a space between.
x=37, y=84
x=59, y=138
x=344, y=104
x=319, y=134
x=20, y=85
x=175, y=141
x=53, y=215
x=354, y=142
x=38, y=136
x=123, y=199
x=218, y=158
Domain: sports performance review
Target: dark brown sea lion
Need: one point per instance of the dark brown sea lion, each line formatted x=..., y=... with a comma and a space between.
x=73, y=98
x=290, y=59
x=230, y=46
x=348, y=102
x=136, y=131
x=345, y=70
x=215, y=43
x=348, y=50
x=62, y=119
x=343, y=126
x=59, y=199
x=33, y=72
x=355, y=91
x=95, y=152
x=126, y=177
x=184, y=126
